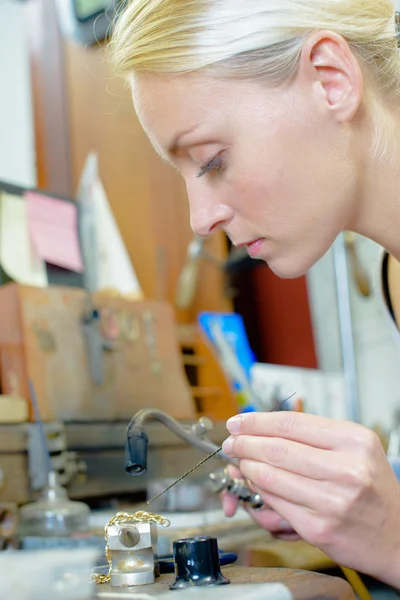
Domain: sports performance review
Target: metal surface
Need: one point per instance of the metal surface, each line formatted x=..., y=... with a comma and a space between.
x=346, y=329
x=63, y=462
x=189, y=434
x=8, y=526
x=129, y=537
x=132, y=553
x=195, y=436
x=221, y=480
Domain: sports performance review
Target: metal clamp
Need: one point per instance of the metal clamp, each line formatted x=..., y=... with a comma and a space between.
x=132, y=548
x=221, y=481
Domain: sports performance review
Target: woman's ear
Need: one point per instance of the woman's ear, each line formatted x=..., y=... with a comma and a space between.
x=329, y=65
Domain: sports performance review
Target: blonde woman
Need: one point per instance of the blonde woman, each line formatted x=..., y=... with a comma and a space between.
x=283, y=117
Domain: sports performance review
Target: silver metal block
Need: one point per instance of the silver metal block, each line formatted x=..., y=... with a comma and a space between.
x=133, y=568
x=132, y=547
x=115, y=532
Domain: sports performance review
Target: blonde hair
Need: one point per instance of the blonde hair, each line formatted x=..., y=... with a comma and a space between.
x=246, y=38
x=256, y=38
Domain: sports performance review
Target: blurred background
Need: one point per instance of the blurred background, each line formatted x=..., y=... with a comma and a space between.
x=109, y=303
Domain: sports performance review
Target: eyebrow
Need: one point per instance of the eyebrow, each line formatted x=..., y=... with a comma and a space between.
x=177, y=141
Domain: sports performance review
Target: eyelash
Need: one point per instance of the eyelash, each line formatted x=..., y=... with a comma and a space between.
x=215, y=163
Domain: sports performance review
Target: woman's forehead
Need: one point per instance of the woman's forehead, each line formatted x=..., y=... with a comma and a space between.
x=169, y=106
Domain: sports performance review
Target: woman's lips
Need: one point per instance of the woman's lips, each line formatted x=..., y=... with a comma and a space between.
x=254, y=248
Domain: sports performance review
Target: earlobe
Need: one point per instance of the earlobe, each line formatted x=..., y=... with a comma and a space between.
x=328, y=60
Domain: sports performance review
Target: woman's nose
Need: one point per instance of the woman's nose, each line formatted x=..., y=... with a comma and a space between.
x=208, y=215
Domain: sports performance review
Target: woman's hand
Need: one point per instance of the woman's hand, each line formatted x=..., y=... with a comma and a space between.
x=266, y=517
x=330, y=480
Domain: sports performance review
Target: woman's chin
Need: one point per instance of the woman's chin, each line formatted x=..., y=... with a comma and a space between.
x=286, y=269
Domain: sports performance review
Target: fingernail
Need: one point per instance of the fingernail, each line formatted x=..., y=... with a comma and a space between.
x=227, y=445
x=285, y=526
x=233, y=424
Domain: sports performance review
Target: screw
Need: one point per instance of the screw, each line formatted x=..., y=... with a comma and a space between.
x=129, y=537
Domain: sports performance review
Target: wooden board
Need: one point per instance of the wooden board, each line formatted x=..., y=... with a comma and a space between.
x=292, y=555
x=302, y=584
x=52, y=352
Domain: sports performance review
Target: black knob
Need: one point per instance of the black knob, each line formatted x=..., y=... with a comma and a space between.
x=197, y=563
x=136, y=452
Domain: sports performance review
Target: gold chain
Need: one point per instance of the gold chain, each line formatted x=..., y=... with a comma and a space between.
x=138, y=517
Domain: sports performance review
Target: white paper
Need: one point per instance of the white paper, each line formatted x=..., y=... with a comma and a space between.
x=114, y=267
x=17, y=255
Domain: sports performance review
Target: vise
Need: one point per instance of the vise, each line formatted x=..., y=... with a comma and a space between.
x=133, y=547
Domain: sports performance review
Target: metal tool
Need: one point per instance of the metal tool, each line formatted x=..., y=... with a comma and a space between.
x=222, y=481
x=183, y=476
x=195, y=435
x=132, y=548
x=47, y=450
x=91, y=327
x=137, y=439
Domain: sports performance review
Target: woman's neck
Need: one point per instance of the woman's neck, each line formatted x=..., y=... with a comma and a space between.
x=378, y=206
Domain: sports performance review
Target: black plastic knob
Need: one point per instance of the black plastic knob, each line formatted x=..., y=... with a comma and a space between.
x=136, y=452
x=197, y=563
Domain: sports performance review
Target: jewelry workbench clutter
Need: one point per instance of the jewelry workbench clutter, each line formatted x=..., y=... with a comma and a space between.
x=82, y=513
x=133, y=566
x=96, y=503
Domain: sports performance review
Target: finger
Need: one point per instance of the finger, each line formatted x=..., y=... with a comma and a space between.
x=234, y=472
x=229, y=504
x=312, y=430
x=299, y=518
x=291, y=456
x=280, y=483
x=270, y=520
x=266, y=518
x=287, y=537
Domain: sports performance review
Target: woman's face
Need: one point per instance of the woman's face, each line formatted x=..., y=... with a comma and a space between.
x=270, y=166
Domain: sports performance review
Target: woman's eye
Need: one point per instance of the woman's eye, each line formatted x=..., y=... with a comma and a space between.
x=214, y=164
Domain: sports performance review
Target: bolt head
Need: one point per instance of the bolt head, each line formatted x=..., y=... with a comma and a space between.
x=129, y=537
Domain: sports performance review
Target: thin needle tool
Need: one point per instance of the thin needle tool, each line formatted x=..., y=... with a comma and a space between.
x=207, y=458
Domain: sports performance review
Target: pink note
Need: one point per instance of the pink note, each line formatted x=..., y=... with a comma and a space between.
x=53, y=228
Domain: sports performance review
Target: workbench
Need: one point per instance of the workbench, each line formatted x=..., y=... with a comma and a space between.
x=297, y=554
x=301, y=585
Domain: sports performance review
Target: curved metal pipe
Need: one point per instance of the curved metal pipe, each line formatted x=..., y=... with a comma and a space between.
x=136, y=447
